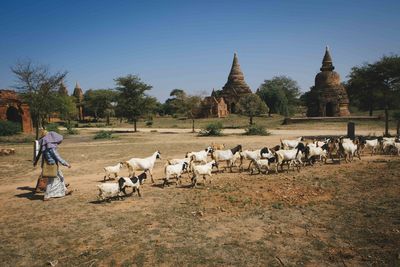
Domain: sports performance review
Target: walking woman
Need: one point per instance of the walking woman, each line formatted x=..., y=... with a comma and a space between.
x=50, y=165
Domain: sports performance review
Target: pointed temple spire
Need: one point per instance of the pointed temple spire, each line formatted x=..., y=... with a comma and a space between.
x=236, y=79
x=327, y=64
x=78, y=93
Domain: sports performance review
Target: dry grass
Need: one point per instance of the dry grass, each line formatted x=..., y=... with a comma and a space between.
x=326, y=215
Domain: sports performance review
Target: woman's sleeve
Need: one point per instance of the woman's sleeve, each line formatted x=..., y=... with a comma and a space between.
x=58, y=157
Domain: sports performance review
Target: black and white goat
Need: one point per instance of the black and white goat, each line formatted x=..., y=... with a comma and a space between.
x=254, y=155
x=290, y=144
x=110, y=190
x=199, y=156
x=174, y=170
x=225, y=155
x=291, y=157
x=134, y=182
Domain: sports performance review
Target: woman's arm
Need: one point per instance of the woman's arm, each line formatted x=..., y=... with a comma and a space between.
x=57, y=156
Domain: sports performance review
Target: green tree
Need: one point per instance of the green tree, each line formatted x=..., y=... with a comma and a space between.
x=362, y=88
x=310, y=100
x=284, y=92
x=39, y=89
x=387, y=71
x=132, y=100
x=252, y=105
x=99, y=103
x=381, y=80
x=275, y=99
x=192, y=105
x=175, y=104
x=67, y=107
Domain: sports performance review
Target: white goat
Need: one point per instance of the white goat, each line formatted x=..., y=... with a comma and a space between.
x=112, y=170
x=262, y=164
x=203, y=170
x=397, y=146
x=290, y=144
x=312, y=152
x=387, y=143
x=292, y=156
x=373, y=144
x=225, y=155
x=200, y=156
x=233, y=162
x=146, y=164
x=348, y=149
x=109, y=190
x=254, y=155
x=174, y=170
x=178, y=161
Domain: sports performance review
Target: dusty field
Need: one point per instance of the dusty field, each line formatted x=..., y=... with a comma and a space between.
x=328, y=215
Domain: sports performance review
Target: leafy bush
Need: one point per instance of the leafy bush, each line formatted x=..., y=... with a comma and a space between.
x=103, y=135
x=52, y=127
x=18, y=139
x=212, y=129
x=149, y=123
x=255, y=129
x=8, y=128
x=70, y=130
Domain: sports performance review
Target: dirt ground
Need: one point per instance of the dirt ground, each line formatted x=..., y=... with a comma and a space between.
x=326, y=215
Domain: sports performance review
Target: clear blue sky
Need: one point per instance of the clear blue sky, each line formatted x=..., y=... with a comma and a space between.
x=190, y=44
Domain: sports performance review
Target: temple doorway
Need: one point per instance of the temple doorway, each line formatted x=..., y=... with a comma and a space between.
x=14, y=115
x=329, y=109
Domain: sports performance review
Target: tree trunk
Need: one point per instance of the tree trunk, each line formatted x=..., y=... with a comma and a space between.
x=193, y=131
x=108, y=119
x=370, y=111
x=386, y=120
x=269, y=113
x=134, y=125
x=398, y=128
x=251, y=120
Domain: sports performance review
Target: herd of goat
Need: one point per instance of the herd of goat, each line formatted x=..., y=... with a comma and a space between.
x=294, y=153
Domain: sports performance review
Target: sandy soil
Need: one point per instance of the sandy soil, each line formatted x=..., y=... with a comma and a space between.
x=326, y=215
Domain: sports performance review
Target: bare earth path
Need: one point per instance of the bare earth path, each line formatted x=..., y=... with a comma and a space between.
x=327, y=215
x=275, y=132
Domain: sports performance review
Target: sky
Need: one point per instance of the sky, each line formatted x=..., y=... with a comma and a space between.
x=190, y=44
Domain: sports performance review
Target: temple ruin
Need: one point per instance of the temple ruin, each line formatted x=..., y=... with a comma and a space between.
x=235, y=87
x=78, y=94
x=330, y=95
x=223, y=102
x=13, y=109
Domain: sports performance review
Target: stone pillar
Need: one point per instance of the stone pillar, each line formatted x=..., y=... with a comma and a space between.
x=3, y=112
x=351, y=130
x=26, y=119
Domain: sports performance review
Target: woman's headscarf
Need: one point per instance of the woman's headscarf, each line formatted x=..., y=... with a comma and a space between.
x=50, y=140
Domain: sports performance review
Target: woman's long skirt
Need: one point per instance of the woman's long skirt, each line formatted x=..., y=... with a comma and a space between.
x=55, y=186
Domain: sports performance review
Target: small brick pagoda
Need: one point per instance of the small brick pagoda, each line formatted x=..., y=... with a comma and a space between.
x=331, y=96
x=214, y=106
x=13, y=109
